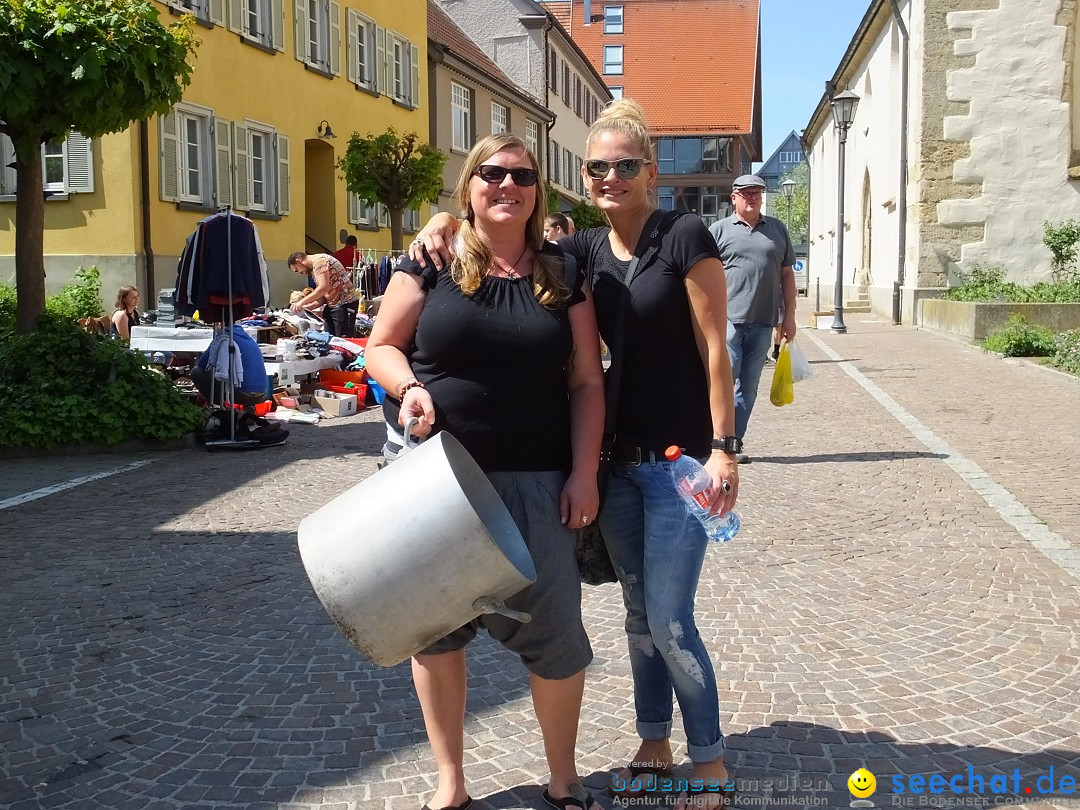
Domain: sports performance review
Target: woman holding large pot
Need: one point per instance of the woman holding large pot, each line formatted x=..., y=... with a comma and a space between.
x=501, y=350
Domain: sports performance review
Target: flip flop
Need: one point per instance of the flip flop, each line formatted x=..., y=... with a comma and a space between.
x=580, y=799
x=465, y=805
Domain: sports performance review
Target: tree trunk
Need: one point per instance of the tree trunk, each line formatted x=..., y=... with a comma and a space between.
x=396, y=215
x=29, y=243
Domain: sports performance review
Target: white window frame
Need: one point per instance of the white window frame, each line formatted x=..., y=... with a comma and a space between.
x=402, y=69
x=317, y=34
x=76, y=161
x=532, y=137
x=260, y=173
x=613, y=19
x=616, y=92
x=500, y=118
x=362, y=214
x=461, y=117
x=613, y=66
x=364, y=58
x=191, y=119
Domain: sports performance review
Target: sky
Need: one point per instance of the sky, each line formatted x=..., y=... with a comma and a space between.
x=802, y=42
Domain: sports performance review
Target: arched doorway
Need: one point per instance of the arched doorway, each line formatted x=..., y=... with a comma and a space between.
x=320, y=197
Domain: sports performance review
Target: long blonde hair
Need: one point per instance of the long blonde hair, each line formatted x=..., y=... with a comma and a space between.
x=472, y=262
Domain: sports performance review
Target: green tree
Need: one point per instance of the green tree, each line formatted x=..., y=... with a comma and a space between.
x=89, y=65
x=395, y=170
x=587, y=215
x=800, y=204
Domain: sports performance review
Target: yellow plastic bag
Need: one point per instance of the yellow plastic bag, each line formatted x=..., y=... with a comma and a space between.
x=783, y=384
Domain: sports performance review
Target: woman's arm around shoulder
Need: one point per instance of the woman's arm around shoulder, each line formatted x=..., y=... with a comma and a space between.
x=706, y=289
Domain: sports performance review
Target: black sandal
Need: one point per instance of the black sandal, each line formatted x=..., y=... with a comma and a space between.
x=580, y=799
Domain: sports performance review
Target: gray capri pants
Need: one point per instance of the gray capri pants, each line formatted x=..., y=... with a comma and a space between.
x=554, y=645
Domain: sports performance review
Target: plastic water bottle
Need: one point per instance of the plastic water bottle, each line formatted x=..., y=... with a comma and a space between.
x=694, y=485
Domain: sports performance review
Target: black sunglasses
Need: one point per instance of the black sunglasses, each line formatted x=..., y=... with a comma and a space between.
x=496, y=174
x=627, y=168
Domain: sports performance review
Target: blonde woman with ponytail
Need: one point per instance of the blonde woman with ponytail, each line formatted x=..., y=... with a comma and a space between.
x=501, y=350
x=675, y=321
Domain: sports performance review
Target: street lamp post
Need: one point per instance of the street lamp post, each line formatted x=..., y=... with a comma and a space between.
x=788, y=187
x=843, y=107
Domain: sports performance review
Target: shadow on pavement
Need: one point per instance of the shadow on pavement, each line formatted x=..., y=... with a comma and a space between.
x=898, y=455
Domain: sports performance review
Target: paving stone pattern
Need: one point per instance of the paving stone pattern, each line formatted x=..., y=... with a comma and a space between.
x=163, y=649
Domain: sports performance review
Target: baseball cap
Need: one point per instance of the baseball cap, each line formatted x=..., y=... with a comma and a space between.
x=747, y=181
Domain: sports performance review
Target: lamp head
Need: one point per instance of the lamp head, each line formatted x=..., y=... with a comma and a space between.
x=788, y=187
x=325, y=131
x=843, y=107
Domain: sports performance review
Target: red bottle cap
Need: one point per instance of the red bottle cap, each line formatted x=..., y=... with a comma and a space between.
x=673, y=453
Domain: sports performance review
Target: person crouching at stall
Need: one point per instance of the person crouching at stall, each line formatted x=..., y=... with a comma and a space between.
x=507, y=329
x=334, y=291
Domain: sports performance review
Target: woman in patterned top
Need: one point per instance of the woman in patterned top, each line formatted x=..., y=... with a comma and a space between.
x=334, y=289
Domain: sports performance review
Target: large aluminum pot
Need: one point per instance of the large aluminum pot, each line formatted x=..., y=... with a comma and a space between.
x=415, y=551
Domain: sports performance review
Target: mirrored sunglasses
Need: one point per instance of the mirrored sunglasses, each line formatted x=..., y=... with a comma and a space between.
x=627, y=168
x=496, y=174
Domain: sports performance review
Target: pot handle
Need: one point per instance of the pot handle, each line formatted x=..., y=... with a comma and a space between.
x=411, y=442
x=485, y=604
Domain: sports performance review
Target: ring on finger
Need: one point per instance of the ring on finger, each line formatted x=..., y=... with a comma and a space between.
x=726, y=486
x=584, y=518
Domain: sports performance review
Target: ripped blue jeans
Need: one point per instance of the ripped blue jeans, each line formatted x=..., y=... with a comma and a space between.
x=658, y=548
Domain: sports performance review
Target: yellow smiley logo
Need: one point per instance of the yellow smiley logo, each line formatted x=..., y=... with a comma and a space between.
x=862, y=783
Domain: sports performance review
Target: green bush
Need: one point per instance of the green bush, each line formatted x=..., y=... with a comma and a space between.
x=79, y=298
x=987, y=284
x=1021, y=339
x=59, y=385
x=1067, y=352
x=1061, y=240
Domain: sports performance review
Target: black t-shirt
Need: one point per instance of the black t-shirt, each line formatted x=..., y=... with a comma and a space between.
x=495, y=364
x=664, y=396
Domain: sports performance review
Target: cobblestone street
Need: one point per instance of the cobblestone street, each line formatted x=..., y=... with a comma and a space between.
x=904, y=596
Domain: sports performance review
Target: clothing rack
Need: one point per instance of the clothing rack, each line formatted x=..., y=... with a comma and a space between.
x=228, y=392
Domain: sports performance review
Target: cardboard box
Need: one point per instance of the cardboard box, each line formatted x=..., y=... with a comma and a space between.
x=333, y=403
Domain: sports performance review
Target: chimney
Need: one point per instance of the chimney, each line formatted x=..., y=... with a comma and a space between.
x=588, y=12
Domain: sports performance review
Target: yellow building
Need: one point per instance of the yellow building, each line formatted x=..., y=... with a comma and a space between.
x=277, y=88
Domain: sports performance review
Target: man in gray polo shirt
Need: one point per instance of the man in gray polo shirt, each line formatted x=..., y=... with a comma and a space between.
x=758, y=257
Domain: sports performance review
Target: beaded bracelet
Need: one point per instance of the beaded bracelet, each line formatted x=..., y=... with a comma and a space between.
x=407, y=386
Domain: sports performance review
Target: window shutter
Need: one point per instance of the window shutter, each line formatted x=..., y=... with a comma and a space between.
x=78, y=164
x=414, y=55
x=242, y=195
x=354, y=208
x=236, y=16
x=335, y=38
x=168, y=157
x=352, y=48
x=217, y=12
x=7, y=175
x=277, y=23
x=284, y=195
x=223, y=164
x=380, y=59
x=300, y=30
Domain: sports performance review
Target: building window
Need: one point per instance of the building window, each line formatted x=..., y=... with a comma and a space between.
x=613, y=60
x=579, y=181
x=258, y=167
x=692, y=155
x=500, y=118
x=665, y=198
x=566, y=84
x=791, y=157
x=568, y=169
x=665, y=156
x=360, y=213
x=616, y=92
x=553, y=160
x=532, y=139
x=66, y=165
x=361, y=56
x=577, y=96
x=258, y=22
x=461, y=113
x=194, y=157
x=318, y=34
x=404, y=84
x=613, y=19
